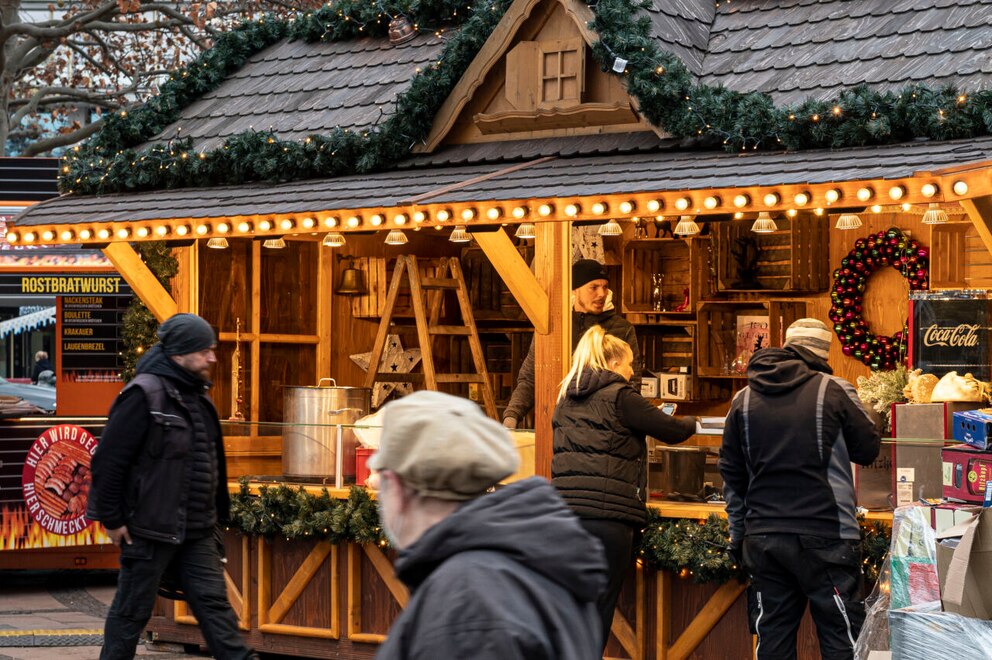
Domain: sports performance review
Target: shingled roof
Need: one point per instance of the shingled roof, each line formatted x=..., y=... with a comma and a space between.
x=795, y=49
x=295, y=89
x=543, y=178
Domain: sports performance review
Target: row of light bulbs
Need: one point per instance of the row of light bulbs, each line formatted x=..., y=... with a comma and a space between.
x=741, y=201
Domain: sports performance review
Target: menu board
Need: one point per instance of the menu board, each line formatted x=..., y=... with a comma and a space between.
x=92, y=330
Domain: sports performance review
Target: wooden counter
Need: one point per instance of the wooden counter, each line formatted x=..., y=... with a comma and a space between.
x=315, y=599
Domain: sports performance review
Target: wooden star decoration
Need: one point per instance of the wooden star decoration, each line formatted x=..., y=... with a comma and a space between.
x=395, y=360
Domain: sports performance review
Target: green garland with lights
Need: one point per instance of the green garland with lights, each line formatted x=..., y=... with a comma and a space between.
x=139, y=324
x=665, y=89
x=687, y=547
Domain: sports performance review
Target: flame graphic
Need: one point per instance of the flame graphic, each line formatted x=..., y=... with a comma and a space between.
x=19, y=532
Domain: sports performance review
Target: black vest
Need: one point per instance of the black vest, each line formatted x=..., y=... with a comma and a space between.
x=599, y=465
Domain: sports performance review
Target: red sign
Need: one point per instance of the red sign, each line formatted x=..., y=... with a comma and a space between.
x=56, y=478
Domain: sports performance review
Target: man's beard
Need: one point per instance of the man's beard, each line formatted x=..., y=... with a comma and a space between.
x=385, y=528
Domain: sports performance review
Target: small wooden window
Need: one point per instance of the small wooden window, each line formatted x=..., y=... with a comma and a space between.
x=562, y=71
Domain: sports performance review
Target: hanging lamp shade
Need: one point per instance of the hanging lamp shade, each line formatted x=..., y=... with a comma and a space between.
x=764, y=224
x=217, y=243
x=333, y=239
x=459, y=235
x=396, y=237
x=610, y=228
x=274, y=243
x=848, y=221
x=526, y=230
x=934, y=215
x=686, y=226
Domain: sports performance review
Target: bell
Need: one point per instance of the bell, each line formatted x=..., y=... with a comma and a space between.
x=400, y=30
x=352, y=282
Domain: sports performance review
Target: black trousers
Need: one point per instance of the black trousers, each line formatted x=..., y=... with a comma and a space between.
x=201, y=577
x=789, y=571
x=618, y=541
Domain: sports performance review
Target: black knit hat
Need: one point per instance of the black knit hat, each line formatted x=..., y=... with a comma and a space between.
x=185, y=333
x=585, y=271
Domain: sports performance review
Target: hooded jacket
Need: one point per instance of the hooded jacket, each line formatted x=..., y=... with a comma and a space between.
x=788, y=444
x=508, y=575
x=599, y=464
x=522, y=397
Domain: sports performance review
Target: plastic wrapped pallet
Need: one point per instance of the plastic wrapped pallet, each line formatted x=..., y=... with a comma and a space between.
x=908, y=577
x=923, y=632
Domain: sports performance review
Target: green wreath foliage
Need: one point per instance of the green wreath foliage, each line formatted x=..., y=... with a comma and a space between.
x=687, y=547
x=665, y=89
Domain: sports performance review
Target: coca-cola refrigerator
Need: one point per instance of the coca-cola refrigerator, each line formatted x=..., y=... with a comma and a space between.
x=949, y=331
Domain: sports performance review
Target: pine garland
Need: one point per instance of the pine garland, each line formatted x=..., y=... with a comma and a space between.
x=139, y=323
x=665, y=89
x=687, y=547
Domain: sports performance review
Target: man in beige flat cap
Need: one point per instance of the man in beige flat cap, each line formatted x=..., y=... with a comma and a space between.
x=493, y=575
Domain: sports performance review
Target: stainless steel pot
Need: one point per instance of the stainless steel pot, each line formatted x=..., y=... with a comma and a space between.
x=309, y=443
x=676, y=473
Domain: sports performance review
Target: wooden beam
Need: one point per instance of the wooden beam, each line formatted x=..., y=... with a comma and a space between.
x=505, y=258
x=710, y=615
x=979, y=210
x=147, y=287
x=186, y=283
x=552, y=351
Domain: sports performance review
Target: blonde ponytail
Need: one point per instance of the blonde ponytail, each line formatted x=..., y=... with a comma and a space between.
x=595, y=350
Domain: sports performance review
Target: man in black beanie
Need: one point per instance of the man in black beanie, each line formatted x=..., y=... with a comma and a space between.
x=590, y=292
x=160, y=489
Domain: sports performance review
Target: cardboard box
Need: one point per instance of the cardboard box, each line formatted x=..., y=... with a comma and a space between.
x=674, y=387
x=966, y=470
x=974, y=428
x=968, y=587
x=649, y=387
x=928, y=420
x=945, y=515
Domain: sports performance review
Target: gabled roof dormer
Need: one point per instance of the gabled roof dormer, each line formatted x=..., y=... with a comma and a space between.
x=535, y=77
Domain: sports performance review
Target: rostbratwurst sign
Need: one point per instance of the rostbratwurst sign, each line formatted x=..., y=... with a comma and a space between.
x=951, y=332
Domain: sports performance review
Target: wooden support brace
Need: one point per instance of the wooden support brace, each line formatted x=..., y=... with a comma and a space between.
x=503, y=255
x=979, y=210
x=708, y=617
x=147, y=287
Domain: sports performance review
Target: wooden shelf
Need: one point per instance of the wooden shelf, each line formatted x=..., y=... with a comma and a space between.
x=794, y=258
x=717, y=337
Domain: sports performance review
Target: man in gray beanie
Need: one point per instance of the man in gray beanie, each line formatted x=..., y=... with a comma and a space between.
x=788, y=444
x=160, y=490
x=504, y=575
x=590, y=293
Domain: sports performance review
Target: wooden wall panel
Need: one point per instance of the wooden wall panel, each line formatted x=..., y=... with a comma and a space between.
x=225, y=284
x=289, y=288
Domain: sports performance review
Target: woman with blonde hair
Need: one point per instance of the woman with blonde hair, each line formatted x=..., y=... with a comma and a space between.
x=600, y=454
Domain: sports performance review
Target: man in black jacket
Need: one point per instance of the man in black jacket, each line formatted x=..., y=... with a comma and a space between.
x=788, y=444
x=507, y=575
x=590, y=292
x=160, y=488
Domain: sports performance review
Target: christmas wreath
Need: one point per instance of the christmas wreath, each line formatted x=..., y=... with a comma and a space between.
x=885, y=248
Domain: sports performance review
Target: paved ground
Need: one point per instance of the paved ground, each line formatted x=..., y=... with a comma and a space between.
x=58, y=615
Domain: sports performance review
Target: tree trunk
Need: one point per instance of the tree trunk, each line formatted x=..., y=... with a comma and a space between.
x=9, y=10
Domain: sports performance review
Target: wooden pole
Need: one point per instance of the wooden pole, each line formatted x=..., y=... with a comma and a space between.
x=552, y=351
x=146, y=286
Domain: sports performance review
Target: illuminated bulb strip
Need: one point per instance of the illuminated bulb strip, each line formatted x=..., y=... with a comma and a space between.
x=928, y=190
x=519, y=212
x=740, y=201
x=545, y=210
x=653, y=205
x=866, y=193
x=286, y=224
x=223, y=227
x=162, y=230
x=711, y=202
x=626, y=207
x=182, y=230
x=572, y=210
x=896, y=193
x=599, y=208
x=772, y=199
x=494, y=213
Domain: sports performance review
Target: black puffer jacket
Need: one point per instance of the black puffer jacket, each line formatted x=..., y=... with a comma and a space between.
x=522, y=397
x=160, y=469
x=600, y=455
x=510, y=575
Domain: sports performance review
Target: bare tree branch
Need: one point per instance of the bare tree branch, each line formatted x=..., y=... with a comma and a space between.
x=42, y=146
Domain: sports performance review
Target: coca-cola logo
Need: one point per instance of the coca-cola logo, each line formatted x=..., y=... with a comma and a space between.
x=962, y=335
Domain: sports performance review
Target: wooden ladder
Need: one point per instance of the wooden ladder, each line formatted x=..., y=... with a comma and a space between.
x=448, y=277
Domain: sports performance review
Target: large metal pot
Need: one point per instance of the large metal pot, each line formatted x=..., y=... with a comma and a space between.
x=676, y=473
x=310, y=441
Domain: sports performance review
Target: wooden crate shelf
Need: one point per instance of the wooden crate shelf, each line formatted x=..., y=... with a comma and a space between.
x=718, y=354
x=794, y=258
x=685, y=263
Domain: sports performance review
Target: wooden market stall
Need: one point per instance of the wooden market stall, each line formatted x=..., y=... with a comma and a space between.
x=533, y=137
